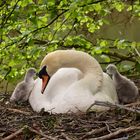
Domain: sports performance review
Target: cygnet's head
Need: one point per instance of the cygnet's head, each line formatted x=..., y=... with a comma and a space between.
x=31, y=72
x=111, y=69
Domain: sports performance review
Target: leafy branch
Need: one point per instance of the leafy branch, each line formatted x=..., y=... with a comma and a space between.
x=9, y=15
x=111, y=54
x=65, y=20
x=93, y=2
x=69, y=31
x=47, y=26
x=121, y=56
x=38, y=29
x=51, y=22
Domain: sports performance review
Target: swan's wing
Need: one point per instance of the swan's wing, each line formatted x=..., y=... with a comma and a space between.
x=80, y=98
x=61, y=81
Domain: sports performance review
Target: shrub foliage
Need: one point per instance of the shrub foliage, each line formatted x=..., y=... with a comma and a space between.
x=30, y=29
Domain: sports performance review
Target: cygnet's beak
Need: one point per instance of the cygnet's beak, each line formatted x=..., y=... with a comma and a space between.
x=45, y=78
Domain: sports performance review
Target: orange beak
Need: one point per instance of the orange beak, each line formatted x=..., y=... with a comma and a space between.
x=45, y=80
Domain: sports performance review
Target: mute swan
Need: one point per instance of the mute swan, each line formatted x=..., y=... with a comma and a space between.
x=126, y=89
x=23, y=89
x=76, y=81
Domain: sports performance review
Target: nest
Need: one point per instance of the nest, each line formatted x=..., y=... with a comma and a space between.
x=19, y=122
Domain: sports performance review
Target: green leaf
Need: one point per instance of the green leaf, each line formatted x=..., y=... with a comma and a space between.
x=103, y=43
x=126, y=67
x=91, y=27
x=134, y=44
x=137, y=66
x=97, y=7
x=105, y=58
x=119, y=6
x=98, y=50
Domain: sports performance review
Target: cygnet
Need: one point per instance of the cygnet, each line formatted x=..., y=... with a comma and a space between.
x=126, y=89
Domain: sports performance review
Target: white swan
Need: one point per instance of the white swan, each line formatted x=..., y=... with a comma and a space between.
x=77, y=80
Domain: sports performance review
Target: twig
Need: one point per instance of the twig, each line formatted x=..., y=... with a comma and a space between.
x=99, y=103
x=107, y=126
x=137, y=52
x=65, y=36
x=40, y=133
x=9, y=15
x=115, y=55
x=14, y=134
x=115, y=61
x=60, y=27
x=122, y=138
x=49, y=23
x=16, y=110
x=93, y=2
x=19, y=111
x=6, y=88
x=8, y=72
x=133, y=104
x=116, y=133
x=93, y=132
x=65, y=136
x=30, y=129
x=25, y=36
x=121, y=56
x=2, y=3
x=108, y=104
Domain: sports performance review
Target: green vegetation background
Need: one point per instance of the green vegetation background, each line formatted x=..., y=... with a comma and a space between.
x=106, y=29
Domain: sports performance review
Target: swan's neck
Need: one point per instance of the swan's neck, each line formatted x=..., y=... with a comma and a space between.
x=93, y=74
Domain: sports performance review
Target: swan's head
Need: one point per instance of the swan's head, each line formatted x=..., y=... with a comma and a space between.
x=111, y=69
x=49, y=65
x=56, y=60
x=52, y=61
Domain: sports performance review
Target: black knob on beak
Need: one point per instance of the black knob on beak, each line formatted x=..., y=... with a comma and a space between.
x=42, y=72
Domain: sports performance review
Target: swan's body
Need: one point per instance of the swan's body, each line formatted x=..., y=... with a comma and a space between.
x=24, y=88
x=77, y=80
x=126, y=89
